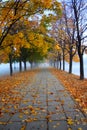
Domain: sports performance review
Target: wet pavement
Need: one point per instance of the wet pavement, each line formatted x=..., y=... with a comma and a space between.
x=42, y=105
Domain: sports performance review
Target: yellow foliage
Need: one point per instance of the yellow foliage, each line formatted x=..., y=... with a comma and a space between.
x=70, y=121
x=8, y=40
x=44, y=49
x=42, y=29
x=57, y=47
x=3, y=56
x=20, y=34
x=31, y=36
x=9, y=16
x=76, y=58
x=20, y=41
x=47, y=3
x=23, y=127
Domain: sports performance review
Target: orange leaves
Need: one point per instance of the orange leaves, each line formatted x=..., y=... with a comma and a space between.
x=79, y=128
x=23, y=127
x=76, y=87
x=11, y=95
x=57, y=47
x=76, y=58
x=9, y=86
x=1, y=114
x=48, y=117
x=13, y=16
x=47, y=3
x=31, y=108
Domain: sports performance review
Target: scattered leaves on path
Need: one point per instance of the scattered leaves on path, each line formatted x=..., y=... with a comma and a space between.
x=12, y=90
x=77, y=87
x=70, y=121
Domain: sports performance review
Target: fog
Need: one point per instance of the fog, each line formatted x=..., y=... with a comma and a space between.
x=4, y=68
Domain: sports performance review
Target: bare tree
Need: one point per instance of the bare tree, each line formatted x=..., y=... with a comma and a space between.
x=79, y=10
x=70, y=32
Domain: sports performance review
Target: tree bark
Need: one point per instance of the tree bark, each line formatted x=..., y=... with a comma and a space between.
x=81, y=67
x=63, y=61
x=10, y=61
x=20, y=64
x=31, y=65
x=70, y=61
x=80, y=53
x=54, y=63
x=60, y=60
x=25, y=65
x=57, y=62
x=70, y=64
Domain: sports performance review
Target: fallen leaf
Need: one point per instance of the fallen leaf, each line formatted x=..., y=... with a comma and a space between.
x=70, y=121
x=79, y=128
x=23, y=127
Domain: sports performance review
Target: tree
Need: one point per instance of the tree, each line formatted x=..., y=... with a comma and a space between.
x=12, y=47
x=60, y=36
x=8, y=49
x=69, y=28
x=73, y=30
x=79, y=10
x=20, y=44
x=13, y=11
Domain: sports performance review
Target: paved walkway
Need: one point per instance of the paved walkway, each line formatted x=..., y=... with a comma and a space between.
x=45, y=105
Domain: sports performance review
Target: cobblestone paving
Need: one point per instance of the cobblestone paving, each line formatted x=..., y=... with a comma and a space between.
x=45, y=105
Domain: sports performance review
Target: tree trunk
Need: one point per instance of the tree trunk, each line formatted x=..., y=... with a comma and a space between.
x=63, y=61
x=57, y=63
x=60, y=64
x=60, y=60
x=25, y=65
x=77, y=20
x=31, y=63
x=20, y=65
x=54, y=63
x=70, y=64
x=10, y=61
x=81, y=67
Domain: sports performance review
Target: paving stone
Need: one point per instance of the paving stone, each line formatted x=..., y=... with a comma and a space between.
x=5, y=117
x=58, y=116
x=54, y=103
x=19, y=117
x=56, y=113
x=26, y=102
x=70, y=107
x=2, y=127
x=37, y=125
x=75, y=114
x=79, y=126
x=41, y=98
x=55, y=108
x=13, y=126
x=40, y=102
x=64, y=95
x=40, y=114
x=58, y=125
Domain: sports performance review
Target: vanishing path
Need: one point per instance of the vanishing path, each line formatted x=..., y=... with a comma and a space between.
x=45, y=105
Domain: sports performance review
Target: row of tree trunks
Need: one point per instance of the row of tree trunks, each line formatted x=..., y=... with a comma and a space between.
x=20, y=65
